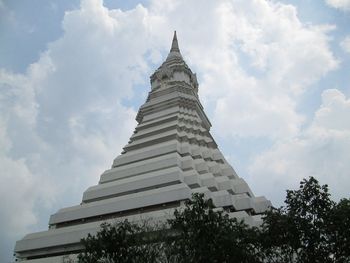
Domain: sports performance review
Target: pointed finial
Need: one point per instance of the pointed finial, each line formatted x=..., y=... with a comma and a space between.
x=174, y=44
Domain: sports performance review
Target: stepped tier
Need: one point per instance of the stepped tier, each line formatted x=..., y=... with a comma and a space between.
x=170, y=156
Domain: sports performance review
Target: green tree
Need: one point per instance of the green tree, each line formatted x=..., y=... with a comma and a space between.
x=339, y=231
x=123, y=242
x=309, y=229
x=203, y=234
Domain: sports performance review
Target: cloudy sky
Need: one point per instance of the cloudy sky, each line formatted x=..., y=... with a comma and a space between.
x=273, y=78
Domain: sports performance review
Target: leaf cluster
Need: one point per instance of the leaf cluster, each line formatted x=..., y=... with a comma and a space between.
x=310, y=228
x=204, y=234
x=122, y=242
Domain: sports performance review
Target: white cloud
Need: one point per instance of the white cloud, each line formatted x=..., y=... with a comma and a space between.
x=16, y=176
x=345, y=44
x=322, y=150
x=333, y=113
x=280, y=58
x=343, y=5
x=254, y=59
x=21, y=191
x=63, y=121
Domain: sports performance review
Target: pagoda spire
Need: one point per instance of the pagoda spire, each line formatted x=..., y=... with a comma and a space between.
x=174, y=50
x=175, y=44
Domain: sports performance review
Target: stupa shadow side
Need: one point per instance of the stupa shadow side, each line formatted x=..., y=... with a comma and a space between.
x=170, y=156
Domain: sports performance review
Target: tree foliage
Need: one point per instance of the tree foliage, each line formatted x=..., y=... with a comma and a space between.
x=122, y=242
x=310, y=228
x=206, y=235
x=300, y=231
x=339, y=229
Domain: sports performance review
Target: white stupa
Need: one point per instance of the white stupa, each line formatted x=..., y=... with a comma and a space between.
x=170, y=156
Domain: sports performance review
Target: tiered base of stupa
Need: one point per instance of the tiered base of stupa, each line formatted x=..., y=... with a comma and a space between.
x=147, y=184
